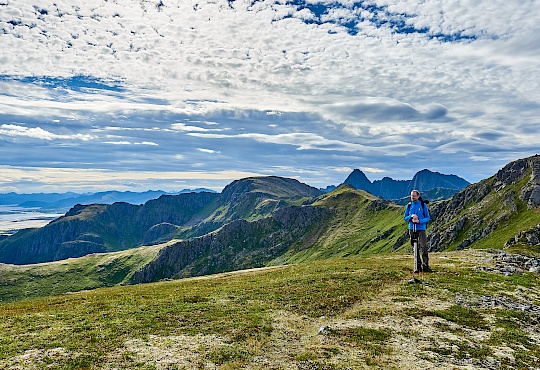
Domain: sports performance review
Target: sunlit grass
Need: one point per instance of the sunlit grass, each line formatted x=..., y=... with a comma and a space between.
x=269, y=318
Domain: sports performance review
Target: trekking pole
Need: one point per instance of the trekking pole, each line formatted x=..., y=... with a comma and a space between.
x=415, y=249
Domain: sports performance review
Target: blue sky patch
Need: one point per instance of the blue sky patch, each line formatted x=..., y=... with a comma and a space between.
x=74, y=83
x=381, y=17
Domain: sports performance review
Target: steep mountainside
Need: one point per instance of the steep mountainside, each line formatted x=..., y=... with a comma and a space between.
x=257, y=197
x=437, y=184
x=344, y=222
x=491, y=213
x=101, y=228
x=238, y=245
x=105, y=228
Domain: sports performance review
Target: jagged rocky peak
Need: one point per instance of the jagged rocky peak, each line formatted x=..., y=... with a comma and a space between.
x=439, y=185
x=426, y=179
x=517, y=170
x=359, y=180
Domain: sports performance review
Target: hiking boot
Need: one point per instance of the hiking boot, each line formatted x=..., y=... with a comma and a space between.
x=427, y=269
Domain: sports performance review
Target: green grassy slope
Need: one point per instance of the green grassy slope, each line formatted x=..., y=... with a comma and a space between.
x=362, y=225
x=270, y=318
x=489, y=217
x=71, y=275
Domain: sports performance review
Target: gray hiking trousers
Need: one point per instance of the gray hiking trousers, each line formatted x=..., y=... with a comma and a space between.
x=422, y=248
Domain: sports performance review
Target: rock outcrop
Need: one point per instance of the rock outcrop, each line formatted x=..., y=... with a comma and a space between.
x=510, y=264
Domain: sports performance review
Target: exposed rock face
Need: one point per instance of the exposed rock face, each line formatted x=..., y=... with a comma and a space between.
x=478, y=210
x=529, y=237
x=516, y=171
x=237, y=245
x=510, y=264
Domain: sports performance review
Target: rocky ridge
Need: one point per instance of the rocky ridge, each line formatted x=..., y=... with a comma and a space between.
x=237, y=245
x=477, y=211
x=99, y=228
x=437, y=185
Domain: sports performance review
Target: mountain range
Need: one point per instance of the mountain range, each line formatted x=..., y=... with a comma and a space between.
x=59, y=201
x=334, y=291
x=432, y=185
x=435, y=185
x=263, y=221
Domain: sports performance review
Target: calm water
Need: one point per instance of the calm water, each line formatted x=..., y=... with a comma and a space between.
x=14, y=218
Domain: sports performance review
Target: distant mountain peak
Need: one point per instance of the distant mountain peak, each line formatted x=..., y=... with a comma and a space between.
x=424, y=180
x=359, y=180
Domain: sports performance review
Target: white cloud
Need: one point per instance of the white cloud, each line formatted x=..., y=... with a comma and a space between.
x=209, y=151
x=360, y=84
x=189, y=128
x=11, y=130
x=81, y=179
x=479, y=158
x=372, y=170
x=117, y=142
x=303, y=141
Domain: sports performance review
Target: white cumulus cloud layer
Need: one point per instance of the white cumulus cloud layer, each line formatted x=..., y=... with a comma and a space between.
x=304, y=89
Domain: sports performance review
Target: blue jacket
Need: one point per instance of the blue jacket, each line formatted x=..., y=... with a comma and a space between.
x=416, y=208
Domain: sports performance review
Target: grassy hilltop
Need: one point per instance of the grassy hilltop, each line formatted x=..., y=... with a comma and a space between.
x=340, y=313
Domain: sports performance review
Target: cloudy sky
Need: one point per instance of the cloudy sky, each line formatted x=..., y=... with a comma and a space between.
x=174, y=94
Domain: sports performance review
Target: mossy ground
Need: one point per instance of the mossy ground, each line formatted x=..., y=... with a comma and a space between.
x=270, y=319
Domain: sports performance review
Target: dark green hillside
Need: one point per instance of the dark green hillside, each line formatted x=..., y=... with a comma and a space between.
x=102, y=228
x=238, y=245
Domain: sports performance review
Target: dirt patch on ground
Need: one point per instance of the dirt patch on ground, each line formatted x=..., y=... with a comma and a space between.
x=36, y=359
x=170, y=352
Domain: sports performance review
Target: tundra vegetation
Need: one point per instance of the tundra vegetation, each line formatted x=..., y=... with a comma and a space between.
x=338, y=313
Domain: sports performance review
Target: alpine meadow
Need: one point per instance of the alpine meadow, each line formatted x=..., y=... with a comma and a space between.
x=274, y=274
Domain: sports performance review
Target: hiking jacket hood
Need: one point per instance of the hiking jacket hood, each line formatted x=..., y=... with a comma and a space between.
x=421, y=211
